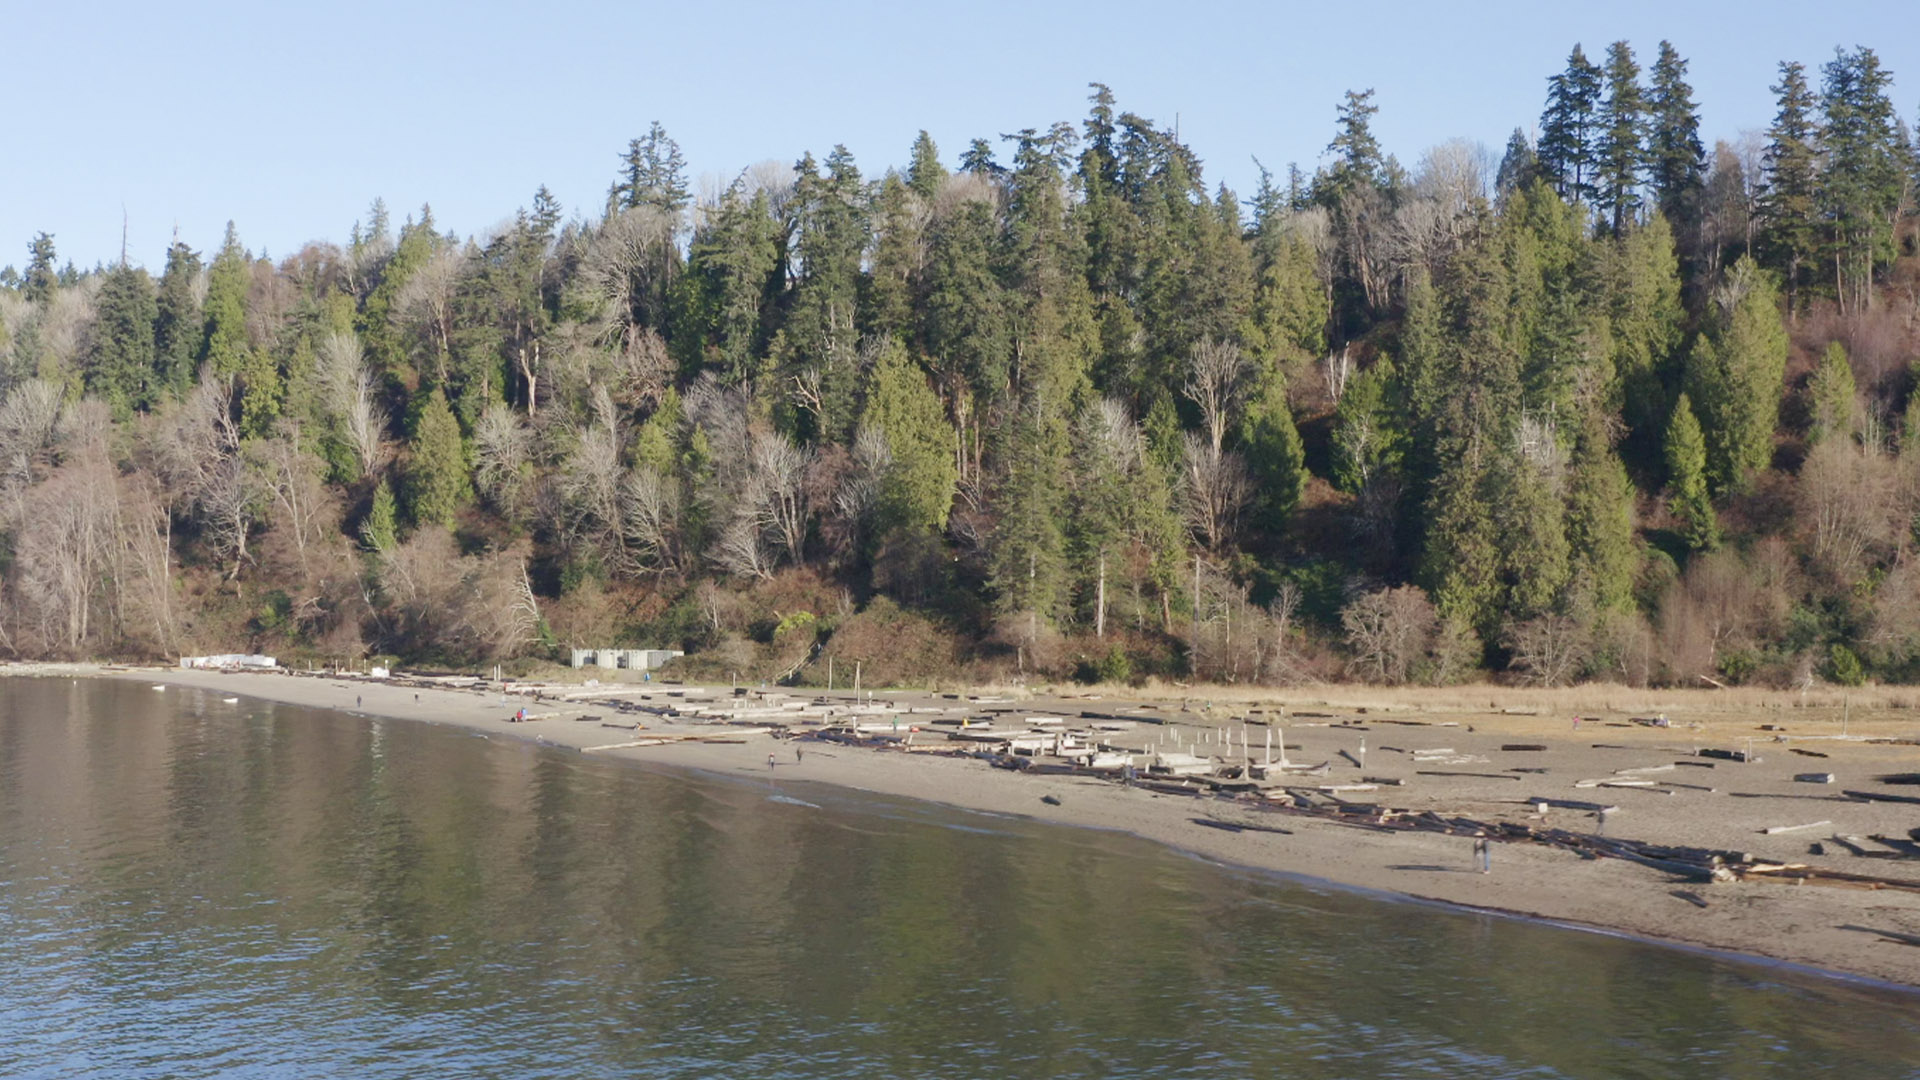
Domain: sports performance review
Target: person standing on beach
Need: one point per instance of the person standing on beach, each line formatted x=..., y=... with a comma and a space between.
x=796, y=753
x=769, y=762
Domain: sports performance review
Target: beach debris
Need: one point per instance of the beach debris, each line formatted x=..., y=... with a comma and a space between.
x=1881, y=796
x=1690, y=897
x=1804, y=753
x=1776, y=830
x=1813, y=778
x=1897, y=778
x=1518, y=746
x=1728, y=755
x=1050, y=800
x=1475, y=775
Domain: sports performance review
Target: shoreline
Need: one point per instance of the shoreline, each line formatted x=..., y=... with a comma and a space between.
x=1836, y=933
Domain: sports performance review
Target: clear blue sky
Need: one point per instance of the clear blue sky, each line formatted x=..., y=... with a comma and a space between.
x=290, y=118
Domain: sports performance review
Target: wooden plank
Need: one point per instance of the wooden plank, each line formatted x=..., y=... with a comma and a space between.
x=1778, y=829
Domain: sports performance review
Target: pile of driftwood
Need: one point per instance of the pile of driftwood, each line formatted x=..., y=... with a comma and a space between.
x=1699, y=864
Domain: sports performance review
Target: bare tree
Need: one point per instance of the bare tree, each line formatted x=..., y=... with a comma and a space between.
x=1217, y=488
x=29, y=430
x=780, y=470
x=425, y=302
x=291, y=478
x=1550, y=650
x=502, y=452
x=1217, y=377
x=650, y=519
x=1389, y=631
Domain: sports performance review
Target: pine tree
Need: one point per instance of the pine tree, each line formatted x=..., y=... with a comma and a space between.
x=1676, y=159
x=1831, y=394
x=438, y=484
x=886, y=308
x=653, y=173
x=1600, y=519
x=1789, y=210
x=380, y=531
x=119, y=360
x=1686, y=452
x=916, y=492
x=179, y=330
x=226, y=346
x=1861, y=188
x=1735, y=376
x=925, y=174
x=41, y=278
x=733, y=267
x=1621, y=153
x=1519, y=166
x=820, y=333
x=1275, y=459
x=1567, y=128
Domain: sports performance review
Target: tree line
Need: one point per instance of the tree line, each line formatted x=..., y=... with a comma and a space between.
x=1610, y=405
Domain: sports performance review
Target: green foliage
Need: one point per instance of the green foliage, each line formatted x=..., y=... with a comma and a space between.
x=917, y=489
x=1734, y=377
x=438, y=484
x=1831, y=392
x=1686, y=452
x=1620, y=152
x=1567, y=128
x=380, y=530
x=1789, y=216
x=1275, y=459
x=1599, y=521
x=119, y=363
x=1844, y=667
x=179, y=331
x=1676, y=159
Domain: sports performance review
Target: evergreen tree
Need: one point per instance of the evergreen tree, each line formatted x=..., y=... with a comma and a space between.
x=916, y=492
x=925, y=174
x=1600, y=519
x=1567, y=127
x=41, y=278
x=1519, y=166
x=733, y=267
x=820, y=334
x=653, y=173
x=1676, y=159
x=380, y=531
x=968, y=331
x=226, y=349
x=1621, y=153
x=1687, y=479
x=1275, y=459
x=1646, y=323
x=978, y=160
x=1864, y=181
x=1789, y=211
x=119, y=360
x=438, y=484
x=1735, y=376
x=179, y=330
x=1831, y=394
x=887, y=306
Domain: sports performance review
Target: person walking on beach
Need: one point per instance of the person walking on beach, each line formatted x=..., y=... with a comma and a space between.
x=769, y=762
x=356, y=701
x=796, y=754
x=1483, y=849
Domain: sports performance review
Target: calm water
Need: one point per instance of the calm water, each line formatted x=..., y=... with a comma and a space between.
x=190, y=889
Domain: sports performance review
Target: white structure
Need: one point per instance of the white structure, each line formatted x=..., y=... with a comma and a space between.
x=630, y=659
x=229, y=660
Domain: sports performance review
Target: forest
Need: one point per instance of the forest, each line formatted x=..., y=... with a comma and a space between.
x=1607, y=404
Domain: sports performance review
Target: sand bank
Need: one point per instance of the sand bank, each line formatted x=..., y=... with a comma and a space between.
x=1706, y=802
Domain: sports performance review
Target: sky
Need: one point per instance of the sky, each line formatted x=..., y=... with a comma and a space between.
x=290, y=119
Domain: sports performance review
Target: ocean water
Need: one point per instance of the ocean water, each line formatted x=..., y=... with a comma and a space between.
x=192, y=888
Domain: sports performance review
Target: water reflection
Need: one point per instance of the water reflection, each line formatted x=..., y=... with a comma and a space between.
x=195, y=888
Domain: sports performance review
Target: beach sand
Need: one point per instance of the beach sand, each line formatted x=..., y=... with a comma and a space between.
x=1843, y=931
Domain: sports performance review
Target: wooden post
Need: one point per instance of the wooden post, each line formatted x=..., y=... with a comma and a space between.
x=856, y=676
x=829, y=673
x=1100, y=604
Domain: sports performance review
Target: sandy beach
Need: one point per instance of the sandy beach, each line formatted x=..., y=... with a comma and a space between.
x=1448, y=757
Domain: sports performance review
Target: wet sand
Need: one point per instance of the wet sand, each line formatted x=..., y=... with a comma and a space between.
x=1730, y=805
